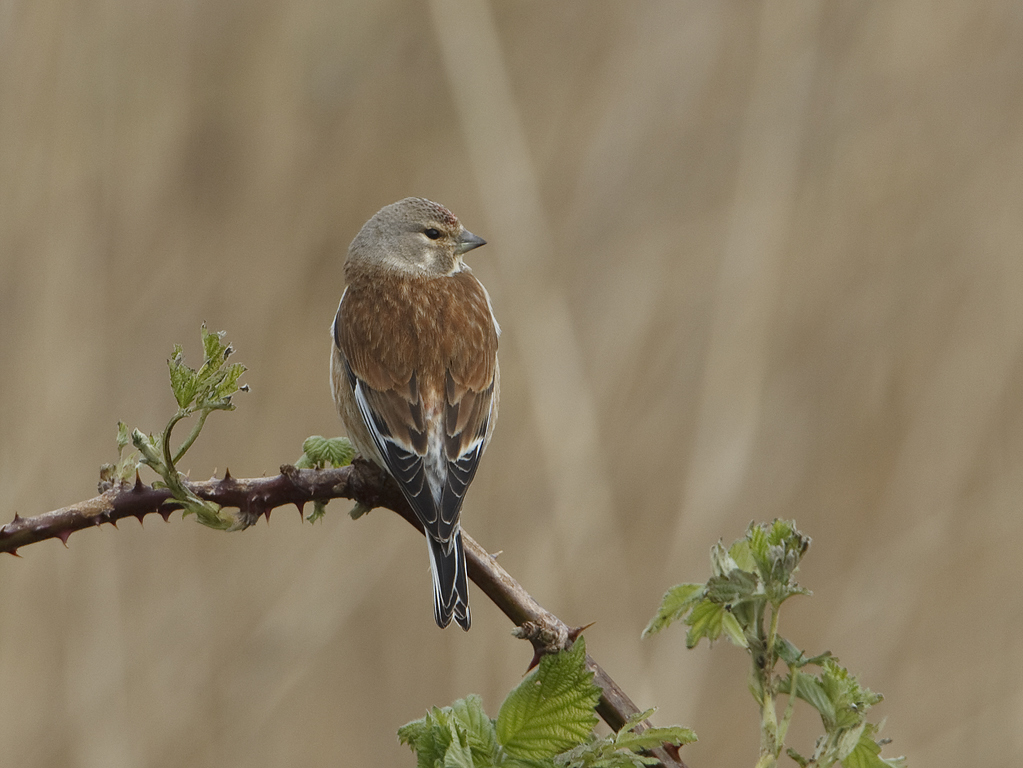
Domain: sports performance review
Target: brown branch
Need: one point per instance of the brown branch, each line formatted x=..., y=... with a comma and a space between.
x=364, y=483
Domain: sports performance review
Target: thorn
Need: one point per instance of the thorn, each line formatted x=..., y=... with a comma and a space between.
x=165, y=514
x=266, y=514
x=227, y=476
x=140, y=516
x=64, y=536
x=14, y=552
x=300, y=506
x=573, y=634
x=536, y=660
x=17, y=519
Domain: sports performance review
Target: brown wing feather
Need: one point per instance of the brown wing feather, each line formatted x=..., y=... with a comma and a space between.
x=421, y=346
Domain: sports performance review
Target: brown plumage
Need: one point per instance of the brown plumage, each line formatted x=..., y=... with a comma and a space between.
x=414, y=372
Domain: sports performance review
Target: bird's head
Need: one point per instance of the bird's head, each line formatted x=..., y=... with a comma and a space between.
x=416, y=236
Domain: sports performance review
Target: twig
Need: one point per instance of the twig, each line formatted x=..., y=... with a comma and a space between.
x=362, y=482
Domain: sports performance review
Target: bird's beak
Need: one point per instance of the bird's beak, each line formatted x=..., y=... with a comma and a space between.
x=467, y=241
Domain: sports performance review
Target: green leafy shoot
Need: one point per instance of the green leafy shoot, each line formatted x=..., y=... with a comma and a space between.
x=459, y=735
x=198, y=392
x=320, y=452
x=545, y=722
x=742, y=599
x=624, y=749
x=552, y=709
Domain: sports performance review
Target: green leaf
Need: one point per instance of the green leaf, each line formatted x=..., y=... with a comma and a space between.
x=674, y=605
x=756, y=537
x=789, y=653
x=213, y=348
x=552, y=710
x=459, y=736
x=734, y=587
x=867, y=753
x=850, y=700
x=319, y=510
x=811, y=690
x=429, y=738
x=228, y=385
x=621, y=749
x=655, y=737
x=846, y=740
x=319, y=452
x=184, y=382
x=731, y=628
x=704, y=621
x=458, y=754
x=123, y=436
x=481, y=736
x=741, y=554
x=721, y=562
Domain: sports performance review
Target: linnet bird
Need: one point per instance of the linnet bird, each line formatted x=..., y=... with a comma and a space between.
x=414, y=372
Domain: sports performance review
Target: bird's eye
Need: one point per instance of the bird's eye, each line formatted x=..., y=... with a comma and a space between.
x=433, y=234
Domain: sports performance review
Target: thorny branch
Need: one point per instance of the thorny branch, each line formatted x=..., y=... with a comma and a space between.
x=363, y=483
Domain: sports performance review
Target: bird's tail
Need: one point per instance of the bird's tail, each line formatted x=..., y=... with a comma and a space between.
x=450, y=586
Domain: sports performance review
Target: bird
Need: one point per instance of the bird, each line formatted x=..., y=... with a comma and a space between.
x=414, y=372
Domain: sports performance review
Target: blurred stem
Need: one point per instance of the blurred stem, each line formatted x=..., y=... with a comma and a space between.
x=769, y=743
x=772, y=737
x=171, y=476
x=194, y=434
x=771, y=637
x=783, y=728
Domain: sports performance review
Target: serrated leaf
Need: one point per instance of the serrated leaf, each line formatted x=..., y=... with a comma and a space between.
x=810, y=690
x=515, y=762
x=319, y=452
x=655, y=737
x=481, y=735
x=741, y=554
x=123, y=436
x=756, y=536
x=867, y=753
x=458, y=754
x=428, y=737
x=229, y=384
x=674, y=605
x=552, y=710
x=184, y=382
x=733, y=587
x=731, y=628
x=704, y=620
x=780, y=531
x=458, y=736
x=636, y=718
x=721, y=562
x=850, y=700
x=212, y=346
x=621, y=749
x=847, y=740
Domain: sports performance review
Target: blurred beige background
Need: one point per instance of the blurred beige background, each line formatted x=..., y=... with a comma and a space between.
x=751, y=260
